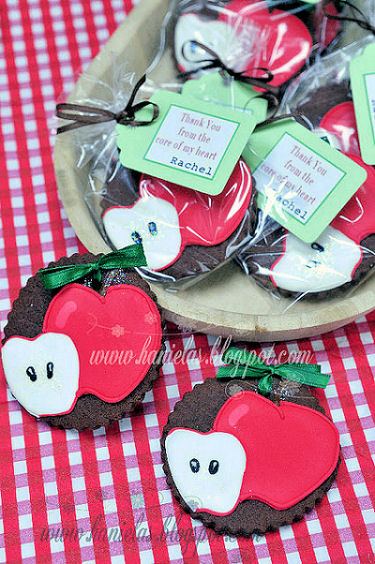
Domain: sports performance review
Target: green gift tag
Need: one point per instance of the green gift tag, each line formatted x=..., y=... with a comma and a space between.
x=229, y=93
x=191, y=143
x=302, y=182
x=362, y=76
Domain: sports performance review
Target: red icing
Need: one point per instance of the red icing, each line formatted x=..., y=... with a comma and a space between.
x=291, y=450
x=288, y=44
x=126, y=319
x=204, y=220
x=326, y=30
x=65, y=312
x=356, y=220
x=340, y=121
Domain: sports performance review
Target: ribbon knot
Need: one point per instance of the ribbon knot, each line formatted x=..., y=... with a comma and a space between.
x=242, y=364
x=124, y=116
x=82, y=115
x=272, y=370
x=58, y=276
x=214, y=62
x=95, y=270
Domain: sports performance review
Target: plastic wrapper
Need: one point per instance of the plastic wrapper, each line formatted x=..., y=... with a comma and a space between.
x=358, y=17
x=187, y=234
x=324, y=85
x=247, y=35
x=342, y=257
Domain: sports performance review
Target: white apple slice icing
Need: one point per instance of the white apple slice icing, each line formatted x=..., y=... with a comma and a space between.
x=42, y=373
x=326, y=264
x=150, y=221
x=207, y=469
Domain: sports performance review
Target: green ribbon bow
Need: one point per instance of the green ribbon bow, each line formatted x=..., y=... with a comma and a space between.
x=58, y=276
x=243, y=364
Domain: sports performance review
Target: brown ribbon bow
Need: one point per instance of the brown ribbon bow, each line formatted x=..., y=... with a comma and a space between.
x=82, y=115
x=216, y=63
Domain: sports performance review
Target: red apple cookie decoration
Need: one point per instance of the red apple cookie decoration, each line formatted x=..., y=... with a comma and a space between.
x=341, y=122
x=256, y=450
x=284, y=447
x=121, y=330
x=326, y=29
x=90, y=344
x=167, y=218
x=356, y=219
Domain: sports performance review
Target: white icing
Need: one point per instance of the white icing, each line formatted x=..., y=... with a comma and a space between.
x=44, y=396
x=305, y=269
x=330, y=138
x=219, y=492
x=233, y=47
x=162, y=248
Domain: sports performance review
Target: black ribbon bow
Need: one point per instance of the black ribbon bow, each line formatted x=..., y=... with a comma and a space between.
x=364, y=23
x=82, y=115
x=214, y=62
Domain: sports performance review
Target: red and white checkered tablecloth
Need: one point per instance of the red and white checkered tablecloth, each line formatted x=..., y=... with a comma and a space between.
x=102, y=496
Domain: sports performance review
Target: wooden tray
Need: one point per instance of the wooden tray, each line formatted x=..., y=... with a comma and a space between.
x=227, y=302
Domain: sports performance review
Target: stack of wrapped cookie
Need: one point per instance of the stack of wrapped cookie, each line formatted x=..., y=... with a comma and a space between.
x=194, y=192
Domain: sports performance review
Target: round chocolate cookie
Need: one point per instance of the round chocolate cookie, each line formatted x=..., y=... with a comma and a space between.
x=244, y=464
x=84, y=355
x=184, y=233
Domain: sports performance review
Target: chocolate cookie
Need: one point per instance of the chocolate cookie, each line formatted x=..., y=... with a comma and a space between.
x=184, y=233
x=84, y=355
x=244, y=464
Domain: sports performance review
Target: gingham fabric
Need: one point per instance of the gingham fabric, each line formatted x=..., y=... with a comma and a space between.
x=102, y=496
